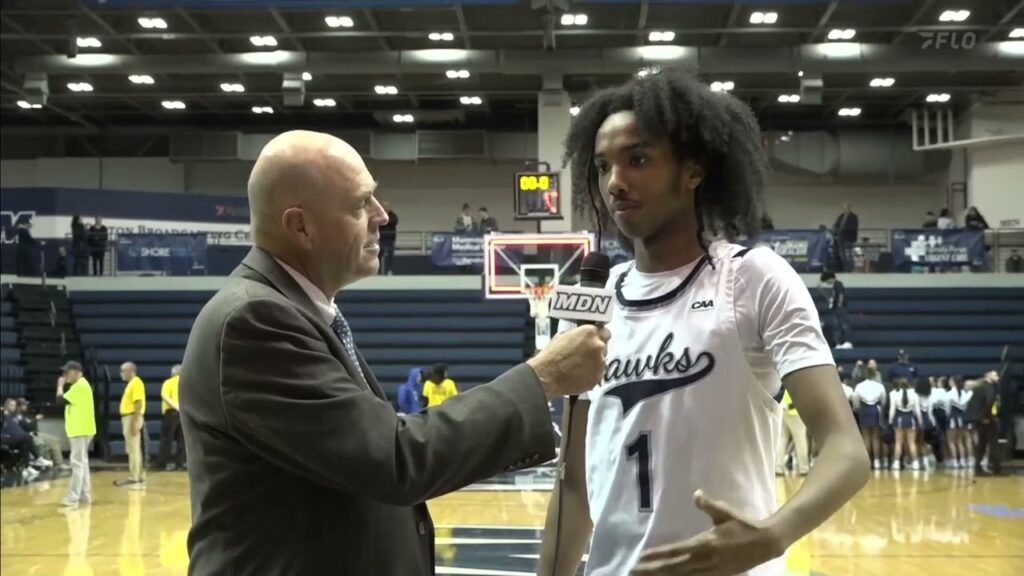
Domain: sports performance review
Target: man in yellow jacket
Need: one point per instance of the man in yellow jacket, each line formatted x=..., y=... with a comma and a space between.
x=170, y=425
x=438, y=387
x=80, y=426
x=793, y=428
x=133, y=423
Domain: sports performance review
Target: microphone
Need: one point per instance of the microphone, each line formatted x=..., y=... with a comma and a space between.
x=589, y=302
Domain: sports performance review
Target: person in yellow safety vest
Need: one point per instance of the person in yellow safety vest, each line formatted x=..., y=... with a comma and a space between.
x=793, y=428
x=438, y=387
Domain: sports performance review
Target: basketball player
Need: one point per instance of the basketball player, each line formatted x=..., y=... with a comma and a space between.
x=706, y=333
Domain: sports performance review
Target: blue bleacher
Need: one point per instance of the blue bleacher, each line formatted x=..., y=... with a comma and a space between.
x=396, y=330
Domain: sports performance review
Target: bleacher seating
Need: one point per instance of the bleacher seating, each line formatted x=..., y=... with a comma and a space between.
x=946, y=331
x=12, y=375
x=395, y=331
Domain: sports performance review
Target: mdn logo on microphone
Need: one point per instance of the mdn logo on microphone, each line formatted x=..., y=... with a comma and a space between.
x=582, y=304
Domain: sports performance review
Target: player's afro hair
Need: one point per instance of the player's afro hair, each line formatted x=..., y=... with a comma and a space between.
x=712, y=129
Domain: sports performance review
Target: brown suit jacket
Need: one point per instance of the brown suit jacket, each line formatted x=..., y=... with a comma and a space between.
x=297, y=466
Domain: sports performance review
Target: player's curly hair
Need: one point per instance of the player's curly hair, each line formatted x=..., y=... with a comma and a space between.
x=713, y=129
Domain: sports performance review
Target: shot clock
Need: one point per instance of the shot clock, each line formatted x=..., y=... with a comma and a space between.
x=537, y=196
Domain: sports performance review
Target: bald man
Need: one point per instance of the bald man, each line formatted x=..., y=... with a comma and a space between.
x=298, y=464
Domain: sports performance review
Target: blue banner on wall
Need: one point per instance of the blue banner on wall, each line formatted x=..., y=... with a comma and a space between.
x=935, y=248
x=170, y=254
x=449, y=249
x=805, y=250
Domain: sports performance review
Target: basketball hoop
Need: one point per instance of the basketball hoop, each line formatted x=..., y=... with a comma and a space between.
x=539, y=296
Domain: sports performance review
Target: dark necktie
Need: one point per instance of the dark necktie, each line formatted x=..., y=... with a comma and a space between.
x=344, y=333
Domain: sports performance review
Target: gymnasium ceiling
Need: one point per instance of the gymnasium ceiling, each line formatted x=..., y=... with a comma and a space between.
x=512, y=50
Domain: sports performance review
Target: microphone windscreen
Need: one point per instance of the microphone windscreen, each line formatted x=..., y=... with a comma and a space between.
x=595, y=270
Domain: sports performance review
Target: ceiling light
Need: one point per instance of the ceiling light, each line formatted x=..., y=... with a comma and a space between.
x=471, y=100
x=263, y=110
x=644, y=72
x=937, y=98
x=402, y=118
x=232, y=87
x=306, y=76
x=457, y=74
x=26, y=106
x=840, y=49
x=263, y=41
x=841, y=34
x=325, y=102
x=80, y=87
x=661, y=52
x=573, y=111
x=882, y=82
x=1012, y=47
x=173, y=104
x=954, y=15
x=722, y=86
x=339, y=21
x=1017, y=33
x=789, y=98
x=764, y=17
x=268, y=58
x=385, y=90
x=800, y=73
x=441, y=36
x=140, y=79
x=849, y=111
x=150, y=23
x=574, y=19
x=661, y=36
x=88, y=42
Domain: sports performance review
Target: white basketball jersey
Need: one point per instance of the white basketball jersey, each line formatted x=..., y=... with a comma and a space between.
x=682, y=407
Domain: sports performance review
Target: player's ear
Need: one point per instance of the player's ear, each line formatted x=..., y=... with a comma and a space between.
x=693, y=174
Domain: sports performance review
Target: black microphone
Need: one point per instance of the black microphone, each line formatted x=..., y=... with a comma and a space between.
x=587, y=303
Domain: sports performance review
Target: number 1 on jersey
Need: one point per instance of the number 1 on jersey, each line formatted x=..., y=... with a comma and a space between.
x=640, y=449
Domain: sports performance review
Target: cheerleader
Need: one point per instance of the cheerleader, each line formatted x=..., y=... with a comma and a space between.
x=961, y=452
x=869, y=399
x=905, y=418
x=928, y=432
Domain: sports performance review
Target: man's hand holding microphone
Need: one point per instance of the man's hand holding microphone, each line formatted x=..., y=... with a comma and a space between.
x=573, y=362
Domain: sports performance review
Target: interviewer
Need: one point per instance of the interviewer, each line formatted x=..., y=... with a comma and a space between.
x=297, y=462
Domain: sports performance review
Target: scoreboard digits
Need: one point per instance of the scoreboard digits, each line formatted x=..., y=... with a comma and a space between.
x=537, y=196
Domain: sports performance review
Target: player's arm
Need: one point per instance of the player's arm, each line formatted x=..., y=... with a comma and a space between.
x=841, y=468
x=575, y=509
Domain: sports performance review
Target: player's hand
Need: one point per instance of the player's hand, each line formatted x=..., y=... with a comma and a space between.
x=733, y=545
x=573, y=362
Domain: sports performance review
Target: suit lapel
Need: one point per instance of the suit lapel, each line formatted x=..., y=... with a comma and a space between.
x=260, y=262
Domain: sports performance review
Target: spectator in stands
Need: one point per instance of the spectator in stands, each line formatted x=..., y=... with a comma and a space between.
x=438, y=387
x=388, y=237
x=793, y=429
x=170, y=425
x=974, y=220
x=845, y=230
x=79, y=247
x=1014, y=264
x=902, y=368
x=133, y=423
x=464, y=221
x=24, y=263
x=930, y=221
x=60, y=267
x=98, y=238
x=47, y=445
x=981, y=420
x=409, y=401
x=835, y=295
x=80, y=426
x=945, y=221
x=487, y=222
x=15, y=438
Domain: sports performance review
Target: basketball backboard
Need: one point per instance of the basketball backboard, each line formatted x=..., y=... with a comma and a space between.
x=513, y=263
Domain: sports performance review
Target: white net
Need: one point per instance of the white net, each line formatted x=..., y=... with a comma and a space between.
x=539, y=297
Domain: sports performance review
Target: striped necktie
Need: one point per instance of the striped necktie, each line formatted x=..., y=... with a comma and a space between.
x=344, y=333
